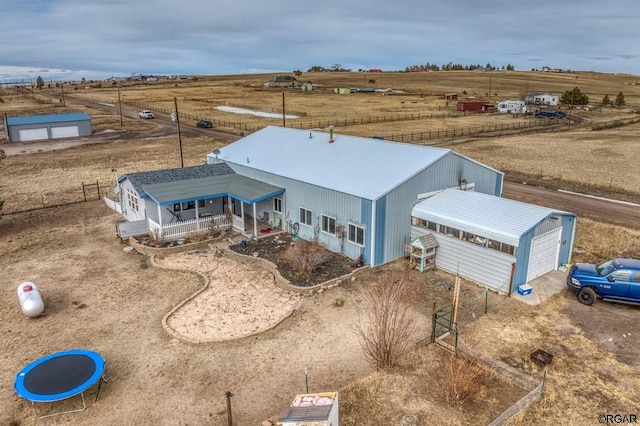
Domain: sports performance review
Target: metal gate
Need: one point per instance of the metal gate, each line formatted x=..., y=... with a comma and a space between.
x=444, y=331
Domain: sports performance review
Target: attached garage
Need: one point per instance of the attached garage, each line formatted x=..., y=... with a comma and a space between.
x=496, y=242
x=47, y=126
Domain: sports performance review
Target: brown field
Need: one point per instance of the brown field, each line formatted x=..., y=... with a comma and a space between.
x=73, y=251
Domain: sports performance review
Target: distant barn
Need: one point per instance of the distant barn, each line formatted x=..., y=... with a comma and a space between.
x=28, y=128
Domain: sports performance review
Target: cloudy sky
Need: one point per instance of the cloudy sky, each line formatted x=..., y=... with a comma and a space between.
x=67, y=39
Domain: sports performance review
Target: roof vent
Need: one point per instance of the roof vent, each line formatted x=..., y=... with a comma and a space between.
x=331, y=134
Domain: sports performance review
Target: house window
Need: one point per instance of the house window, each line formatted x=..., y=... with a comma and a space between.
x=200, y=204
x=305, y=216
x=237, y=207
x=132, y=200
x=329, y=224
x=277, y=205
x=356, y=234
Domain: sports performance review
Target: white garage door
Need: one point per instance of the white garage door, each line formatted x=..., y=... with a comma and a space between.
x=26, y=135
x=64, y=132
x=544, y=254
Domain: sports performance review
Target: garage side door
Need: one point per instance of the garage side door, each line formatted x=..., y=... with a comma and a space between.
x=64, y=132
x=26, y=135
x=544, y=254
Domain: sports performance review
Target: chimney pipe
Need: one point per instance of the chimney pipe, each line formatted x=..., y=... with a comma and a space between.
x=331, y=134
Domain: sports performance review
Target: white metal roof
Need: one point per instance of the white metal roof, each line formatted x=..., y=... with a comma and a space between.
x=365, y=167
x=482, y=214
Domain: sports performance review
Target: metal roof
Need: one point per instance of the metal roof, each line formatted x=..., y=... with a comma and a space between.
x=47, y=118
x=240, y=187
x=178, y=174
x=482, y=214
x=365, y=167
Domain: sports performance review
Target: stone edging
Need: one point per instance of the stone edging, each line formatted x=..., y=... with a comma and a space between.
x=151, y=251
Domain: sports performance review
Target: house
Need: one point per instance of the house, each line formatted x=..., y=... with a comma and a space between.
x=172, y=203
x=494, y=241
x=542, y=99
x=363, y=197
x=319, y=409
x=29, y=128
x=511, y=107
x=451, y=96
x=352, y=194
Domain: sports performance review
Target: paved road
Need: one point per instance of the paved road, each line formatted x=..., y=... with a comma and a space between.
x=598, y=209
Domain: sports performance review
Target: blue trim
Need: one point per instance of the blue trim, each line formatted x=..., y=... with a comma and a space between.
x=499, y=182
x=223, y=194
x=381, y=216
x=97, y=374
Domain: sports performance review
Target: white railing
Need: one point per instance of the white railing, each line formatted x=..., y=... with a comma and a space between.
x=113, y=205
x=186, y=227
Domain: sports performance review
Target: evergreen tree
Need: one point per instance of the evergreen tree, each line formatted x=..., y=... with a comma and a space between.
x=619, y=100
x=39, y=82
x=574, y=97
x=606, y=101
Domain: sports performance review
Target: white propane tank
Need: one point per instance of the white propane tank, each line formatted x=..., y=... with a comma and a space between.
x=30, y=299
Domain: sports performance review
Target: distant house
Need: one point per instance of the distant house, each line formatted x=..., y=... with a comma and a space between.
x=342, y=90
x=306, y=87
x=542, y=99
x=29, y=128
x=451, y=96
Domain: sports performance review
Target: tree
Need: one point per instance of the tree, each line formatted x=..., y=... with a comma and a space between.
x=386, y=334
x=619, y=100
x=606, y=101
x=316, y=68
x=39, y=83
x=336, y=67
x=574, y=97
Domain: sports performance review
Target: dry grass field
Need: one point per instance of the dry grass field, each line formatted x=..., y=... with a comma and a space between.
x=595, y=368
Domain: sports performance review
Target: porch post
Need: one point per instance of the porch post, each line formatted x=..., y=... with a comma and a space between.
x=242, y=214
x=255, y=222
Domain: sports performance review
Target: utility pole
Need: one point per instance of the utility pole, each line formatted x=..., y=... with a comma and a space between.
x=175, y=101
x=283, y=114
x=62, y=90
x=120, y=106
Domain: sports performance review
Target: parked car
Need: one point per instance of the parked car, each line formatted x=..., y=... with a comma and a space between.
x=614, y=280
x=146, y=114
x=550, y=114
x=205, y=124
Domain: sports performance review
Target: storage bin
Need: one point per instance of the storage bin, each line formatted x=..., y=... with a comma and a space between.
x=524, y=289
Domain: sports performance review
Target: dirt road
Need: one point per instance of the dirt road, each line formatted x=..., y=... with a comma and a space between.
x=603, y=210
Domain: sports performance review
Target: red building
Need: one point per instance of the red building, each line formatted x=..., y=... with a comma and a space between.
x=473, y=106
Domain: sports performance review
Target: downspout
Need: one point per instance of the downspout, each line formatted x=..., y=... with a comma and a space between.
x=372, y=261
x=573, y=235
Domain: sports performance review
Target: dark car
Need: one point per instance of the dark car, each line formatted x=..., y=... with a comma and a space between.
x=205, y=124
x=614, y=280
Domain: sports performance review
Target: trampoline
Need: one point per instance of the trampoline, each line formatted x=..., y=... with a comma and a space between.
x=60, y=376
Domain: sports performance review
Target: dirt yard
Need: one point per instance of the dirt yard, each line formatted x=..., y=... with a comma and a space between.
x=143, y=317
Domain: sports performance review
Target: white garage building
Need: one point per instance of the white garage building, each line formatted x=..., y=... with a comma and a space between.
x=47, y=126
x=494, y=241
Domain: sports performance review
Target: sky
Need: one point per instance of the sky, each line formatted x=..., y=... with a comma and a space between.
x=72, y=39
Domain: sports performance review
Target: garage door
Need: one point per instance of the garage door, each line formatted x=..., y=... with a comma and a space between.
x=64, y=132
x=544, y=254
x=26, y=135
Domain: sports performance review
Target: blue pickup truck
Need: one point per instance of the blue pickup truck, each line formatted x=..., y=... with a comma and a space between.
x=615, y=280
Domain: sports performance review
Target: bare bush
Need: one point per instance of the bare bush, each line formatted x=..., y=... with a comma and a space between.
x=390, y=325
x=460, y=378
x=305, y=256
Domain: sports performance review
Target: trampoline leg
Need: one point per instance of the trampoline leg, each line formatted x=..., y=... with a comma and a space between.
x=84, y=407
x=102, y=379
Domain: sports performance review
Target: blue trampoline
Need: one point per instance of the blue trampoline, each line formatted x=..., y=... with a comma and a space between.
x=60, y=376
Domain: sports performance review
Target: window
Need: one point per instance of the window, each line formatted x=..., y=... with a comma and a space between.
x=329, y=224
x=277, y=205
x=622, y=275
x=200, y=204
x=237, y=207
x=305, y=216
x=132, y=200
x=356, y=234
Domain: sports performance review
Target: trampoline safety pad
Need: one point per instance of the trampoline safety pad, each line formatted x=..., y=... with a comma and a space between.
x=60, y=376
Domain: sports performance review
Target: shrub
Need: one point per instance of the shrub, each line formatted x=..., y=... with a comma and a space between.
x=390, y=325
x=459, y=378
x=305, y=256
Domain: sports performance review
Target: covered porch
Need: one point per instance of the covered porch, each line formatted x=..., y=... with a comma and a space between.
x=182, y=208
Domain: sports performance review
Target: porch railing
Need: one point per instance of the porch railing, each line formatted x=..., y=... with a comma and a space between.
x=184, y=228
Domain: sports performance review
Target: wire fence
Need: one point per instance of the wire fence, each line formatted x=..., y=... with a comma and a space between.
x=70, y=195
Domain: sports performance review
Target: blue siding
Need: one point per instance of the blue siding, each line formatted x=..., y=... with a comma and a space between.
x=499, y=184
x=380, y=227
x=366, y=208
x=566, y=244
x=523, y=252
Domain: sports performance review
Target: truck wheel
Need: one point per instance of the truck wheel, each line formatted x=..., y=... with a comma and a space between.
x=586, y=296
